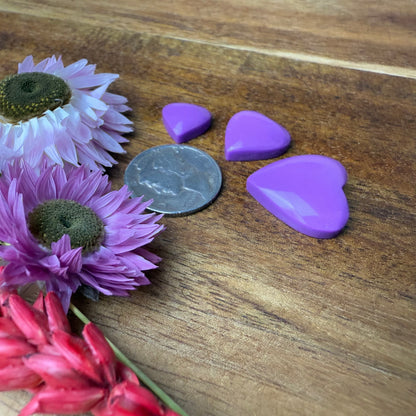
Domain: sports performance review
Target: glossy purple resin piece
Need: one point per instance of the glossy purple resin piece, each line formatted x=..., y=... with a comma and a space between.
x=184, y=121
x=253, y=136
x=305, y=192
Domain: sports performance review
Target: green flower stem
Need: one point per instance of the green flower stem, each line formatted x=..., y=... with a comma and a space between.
x=167, y=400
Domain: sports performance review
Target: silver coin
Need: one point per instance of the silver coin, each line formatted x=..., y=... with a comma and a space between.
x=179, y=178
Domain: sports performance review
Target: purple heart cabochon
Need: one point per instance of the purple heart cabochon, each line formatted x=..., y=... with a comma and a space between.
x=185, y=121
x=253, y=136
x=305, y=192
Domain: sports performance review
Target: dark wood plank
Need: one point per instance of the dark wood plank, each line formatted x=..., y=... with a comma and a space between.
x=246, y=316
x=376, y=31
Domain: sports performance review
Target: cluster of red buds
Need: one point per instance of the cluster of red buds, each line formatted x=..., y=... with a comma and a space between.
x=67, y=374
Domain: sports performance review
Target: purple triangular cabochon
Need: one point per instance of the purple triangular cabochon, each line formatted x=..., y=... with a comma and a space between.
x=185, y=121
x=305, y=192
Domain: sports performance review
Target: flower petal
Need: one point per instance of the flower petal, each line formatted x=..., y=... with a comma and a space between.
x=72, y=69
x=9, y=329
x=63, y=401
x=114, y=268
x=127, y=399
x=56, y=371
x=90, y=81
x=28, y=320
x=69, y=134
x=18, y=377
x=75, y=351
x=101, y=351
x=125, y=373
x=27, y=65
x=15, y=347
x=56, y=315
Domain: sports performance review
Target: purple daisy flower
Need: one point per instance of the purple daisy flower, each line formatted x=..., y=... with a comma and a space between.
x=66, y=228
x=58, y=114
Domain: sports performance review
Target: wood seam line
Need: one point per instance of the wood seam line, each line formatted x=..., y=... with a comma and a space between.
x=395, y=71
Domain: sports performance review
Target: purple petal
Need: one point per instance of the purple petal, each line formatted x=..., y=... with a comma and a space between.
x=27, y=65
x=72, y=70
x=90, y=81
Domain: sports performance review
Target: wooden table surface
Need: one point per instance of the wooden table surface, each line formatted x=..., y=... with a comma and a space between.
x=245, y=316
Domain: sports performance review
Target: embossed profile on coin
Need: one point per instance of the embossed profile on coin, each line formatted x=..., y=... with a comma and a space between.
x=179, y=178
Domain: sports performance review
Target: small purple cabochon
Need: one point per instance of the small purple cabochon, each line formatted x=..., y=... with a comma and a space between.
x=185, y=121
x=253, y=136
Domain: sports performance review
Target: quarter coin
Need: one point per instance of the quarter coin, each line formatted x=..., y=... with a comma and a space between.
x=180, y=179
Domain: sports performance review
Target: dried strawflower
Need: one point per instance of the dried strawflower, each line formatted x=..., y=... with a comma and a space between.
x=66, y=373
x=65, y=227
x=58, y=114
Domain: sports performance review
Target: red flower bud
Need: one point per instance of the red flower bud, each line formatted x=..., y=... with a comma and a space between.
x=68, y=374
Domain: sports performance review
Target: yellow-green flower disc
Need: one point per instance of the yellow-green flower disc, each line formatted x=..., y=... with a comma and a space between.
x=30, y=94
x=49, y=221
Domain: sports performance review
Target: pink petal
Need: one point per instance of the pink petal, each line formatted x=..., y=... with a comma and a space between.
x=18, y=377
x=9, y=329
x=170, y=412
x=56, y=371
x=63, y=401
x=101, y=351
x=39, y=303
x=27, y=321
x=15, y=347
x=75, y=350
x=56, y=316
x=128, y=399
x=11, y=362
x=125, y=373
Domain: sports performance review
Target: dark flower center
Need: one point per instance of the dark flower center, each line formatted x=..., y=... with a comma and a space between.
x=30, y=94
x=49, y=221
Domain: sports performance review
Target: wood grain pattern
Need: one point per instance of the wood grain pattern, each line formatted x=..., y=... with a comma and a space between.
x=377, y=31
x=246, y=316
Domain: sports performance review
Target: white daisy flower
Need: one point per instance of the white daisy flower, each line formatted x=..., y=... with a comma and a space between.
x=63, y=115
